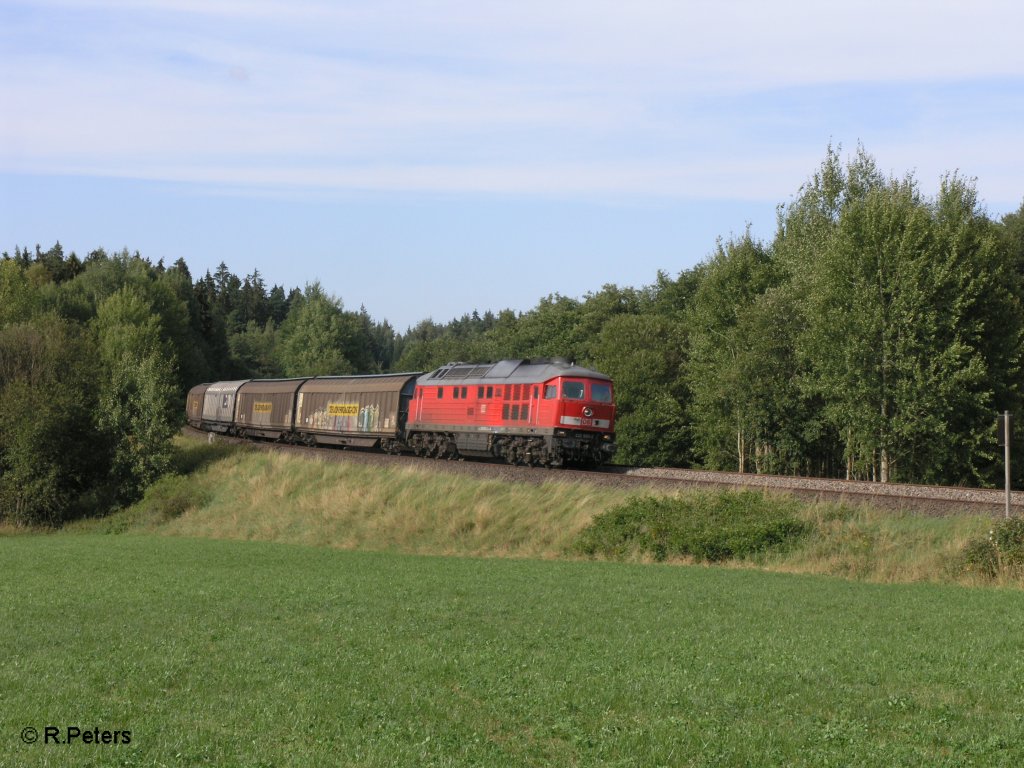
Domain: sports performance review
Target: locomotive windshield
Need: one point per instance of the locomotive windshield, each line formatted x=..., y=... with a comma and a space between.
x=572, y=390
x=601, y=393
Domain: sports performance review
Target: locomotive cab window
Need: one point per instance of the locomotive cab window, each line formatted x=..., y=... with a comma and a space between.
x=440, y=393
x=550, y=391
x=601, y=393
x=572, y=390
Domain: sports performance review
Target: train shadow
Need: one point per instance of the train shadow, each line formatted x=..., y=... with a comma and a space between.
x=192, y=455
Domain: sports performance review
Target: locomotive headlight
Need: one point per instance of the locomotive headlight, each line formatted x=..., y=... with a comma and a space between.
x=588, y=412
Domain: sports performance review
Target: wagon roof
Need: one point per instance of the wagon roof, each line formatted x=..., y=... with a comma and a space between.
x=539, y=369
x=271, y=386
x=221, y=387
x=394, y=382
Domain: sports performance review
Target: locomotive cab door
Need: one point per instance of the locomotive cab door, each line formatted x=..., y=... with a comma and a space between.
x=533, y=403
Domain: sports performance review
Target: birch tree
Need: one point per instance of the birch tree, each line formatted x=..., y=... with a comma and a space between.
x=909, y=337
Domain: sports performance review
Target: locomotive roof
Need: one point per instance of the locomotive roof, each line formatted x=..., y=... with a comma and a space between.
x=539, y=369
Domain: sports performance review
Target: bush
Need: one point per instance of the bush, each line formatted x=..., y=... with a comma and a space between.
x=171, y=496
x=709, y=527
x=1001, y=553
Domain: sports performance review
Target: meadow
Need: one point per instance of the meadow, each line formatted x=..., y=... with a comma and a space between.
x=257, y=609
x=236, y=653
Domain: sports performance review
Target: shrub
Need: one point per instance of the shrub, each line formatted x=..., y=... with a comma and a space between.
x=1001, y=553
x=171, y=496
x=710, y=527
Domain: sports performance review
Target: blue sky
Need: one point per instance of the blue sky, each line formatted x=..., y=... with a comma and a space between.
x=425, y=159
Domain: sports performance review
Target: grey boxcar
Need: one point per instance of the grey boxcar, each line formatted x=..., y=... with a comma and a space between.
x=219, y=405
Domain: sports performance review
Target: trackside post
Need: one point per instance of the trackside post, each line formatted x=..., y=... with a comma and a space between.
x=1005, y=434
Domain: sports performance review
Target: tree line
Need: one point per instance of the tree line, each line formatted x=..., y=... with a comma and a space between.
x=875, y=336
x=96, y=356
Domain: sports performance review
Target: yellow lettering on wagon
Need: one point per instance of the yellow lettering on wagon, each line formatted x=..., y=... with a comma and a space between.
x=262, y=407
x=343, y=409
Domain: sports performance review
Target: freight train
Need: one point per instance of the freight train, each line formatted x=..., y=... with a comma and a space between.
x=542, y=412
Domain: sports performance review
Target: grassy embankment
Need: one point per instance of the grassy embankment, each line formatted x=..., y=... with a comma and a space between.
x=248, y=653
x=236, y=493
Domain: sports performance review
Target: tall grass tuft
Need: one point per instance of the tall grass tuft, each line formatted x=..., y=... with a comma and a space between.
x=1000, y=555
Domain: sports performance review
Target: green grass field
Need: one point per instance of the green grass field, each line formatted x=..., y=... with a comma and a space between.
x=235, y=653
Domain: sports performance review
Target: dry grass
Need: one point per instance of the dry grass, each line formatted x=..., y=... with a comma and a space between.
x=879, y=546
x=253, y=495
x=10, y=529
x=274, y=497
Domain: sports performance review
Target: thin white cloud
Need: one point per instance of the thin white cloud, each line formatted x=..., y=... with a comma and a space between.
x=529, y=98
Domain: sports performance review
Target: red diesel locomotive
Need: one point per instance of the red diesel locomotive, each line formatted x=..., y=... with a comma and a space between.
x=544, y=412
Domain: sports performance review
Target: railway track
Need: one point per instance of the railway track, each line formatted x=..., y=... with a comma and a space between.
x=919, y=499
x=925, y=499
